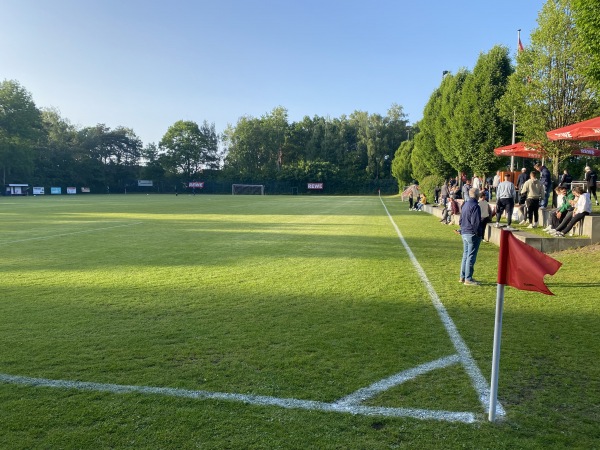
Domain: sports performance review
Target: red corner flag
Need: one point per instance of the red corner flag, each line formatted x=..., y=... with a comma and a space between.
x=522, y=266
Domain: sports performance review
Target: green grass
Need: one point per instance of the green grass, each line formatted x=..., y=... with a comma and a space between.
x=294, y=297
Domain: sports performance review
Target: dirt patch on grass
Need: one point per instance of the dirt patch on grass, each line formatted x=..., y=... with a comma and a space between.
x=593, y=249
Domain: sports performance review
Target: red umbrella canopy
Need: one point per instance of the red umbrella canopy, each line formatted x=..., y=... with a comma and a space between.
x=521, y=150
x=588, y=130
x=586, y=152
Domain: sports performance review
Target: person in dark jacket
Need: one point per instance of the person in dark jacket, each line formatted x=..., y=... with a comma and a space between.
x=471, y=232
x=565, y=180
x=523, y=177
x=591, y=179
x=546, y=181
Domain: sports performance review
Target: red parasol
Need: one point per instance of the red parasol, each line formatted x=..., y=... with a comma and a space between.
x=586, y=152
x=588, y=130
x=521, y=150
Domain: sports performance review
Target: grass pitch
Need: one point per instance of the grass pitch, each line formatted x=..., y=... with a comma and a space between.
x=310, y=298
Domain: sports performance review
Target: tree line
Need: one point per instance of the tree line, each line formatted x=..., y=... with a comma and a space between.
x=44, y=149
x=553, y=82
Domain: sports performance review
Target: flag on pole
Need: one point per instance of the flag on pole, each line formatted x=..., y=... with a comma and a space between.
x=522, y=266
x=520, y=45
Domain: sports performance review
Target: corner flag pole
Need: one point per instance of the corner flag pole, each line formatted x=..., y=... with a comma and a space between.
x=496, y=352
x=502, y=265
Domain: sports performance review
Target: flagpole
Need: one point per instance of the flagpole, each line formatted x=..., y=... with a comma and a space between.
x=514, y=127
x=496, y=352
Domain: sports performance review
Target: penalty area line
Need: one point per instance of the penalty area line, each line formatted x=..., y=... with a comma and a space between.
x=259, y=400
x=479, y=382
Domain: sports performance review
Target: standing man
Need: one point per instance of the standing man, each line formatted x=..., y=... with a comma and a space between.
x=505, y=201
x=470, y=230
x=534, y=189
x=591, y=179
x=476, y=182
x=495, y=182
x=523, y=177
x=546, y=181
x=445, y=193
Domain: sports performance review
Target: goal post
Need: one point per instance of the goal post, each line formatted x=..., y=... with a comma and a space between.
x=248, y=189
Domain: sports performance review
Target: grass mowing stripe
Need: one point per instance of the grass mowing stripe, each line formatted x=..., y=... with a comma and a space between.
x=40, y=238
x=479, y=382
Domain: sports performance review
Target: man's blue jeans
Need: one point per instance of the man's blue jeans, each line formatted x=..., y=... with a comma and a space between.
x=470, y=248
x=544, y=201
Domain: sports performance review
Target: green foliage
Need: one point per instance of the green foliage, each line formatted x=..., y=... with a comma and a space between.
x=190, y=149
x=478, y=126
x=587, y=20
x=549, y=88
x=20, y=128
x=428, y=184
x=401, y=165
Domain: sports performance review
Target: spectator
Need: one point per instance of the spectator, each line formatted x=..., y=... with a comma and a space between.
x=565, y=179
x=436, y=194
x=534, y=190
x=476, y=182
x=582, y=208
x=591, y=179
x=523, y=177
x=505, y=201
x=413, y=192
x=546, y=181
x=495, y=184
x=486, y=210
x=470, y=231
x=444, y=193
x=422, y=201
x=465, y=190
x=564, y=201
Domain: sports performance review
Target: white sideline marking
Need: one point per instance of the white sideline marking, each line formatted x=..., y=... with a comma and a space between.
x=479, y=382
x=289, y=403
x=395, y=380
x=40, y=238
x=349, y=404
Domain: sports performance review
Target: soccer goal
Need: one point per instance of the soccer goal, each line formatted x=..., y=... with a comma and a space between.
x=248, y=189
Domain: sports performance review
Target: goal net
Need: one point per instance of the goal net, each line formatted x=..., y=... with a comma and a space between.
x=248, y=189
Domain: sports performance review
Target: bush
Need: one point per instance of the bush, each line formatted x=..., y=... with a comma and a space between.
x=428, y=184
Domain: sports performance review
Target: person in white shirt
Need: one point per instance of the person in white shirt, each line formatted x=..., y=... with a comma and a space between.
x=495, y=183
x=486, y=211
x=476, y=182
x=583, y=207
x=505, y=201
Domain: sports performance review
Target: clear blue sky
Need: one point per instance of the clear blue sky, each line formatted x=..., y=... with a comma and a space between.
x=146, y=64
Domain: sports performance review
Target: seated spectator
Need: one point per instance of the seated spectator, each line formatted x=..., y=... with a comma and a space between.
x=582, y=208
x=452, y=208
x=422, y=201
x=564, y=198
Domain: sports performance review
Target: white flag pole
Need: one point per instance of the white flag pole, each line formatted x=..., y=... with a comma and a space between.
x=496, y=352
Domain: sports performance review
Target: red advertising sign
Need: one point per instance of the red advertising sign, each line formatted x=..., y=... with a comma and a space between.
x=315, y=185
x=196, y=184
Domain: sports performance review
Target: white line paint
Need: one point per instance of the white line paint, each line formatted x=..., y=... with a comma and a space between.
x=289, y=403
x=41, y=238
x=479, y=382
x=383, y=385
